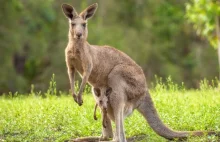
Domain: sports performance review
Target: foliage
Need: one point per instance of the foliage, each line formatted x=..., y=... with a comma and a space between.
x=52, y=90
x=206, y=84
x=202, y=14
x=33, y=35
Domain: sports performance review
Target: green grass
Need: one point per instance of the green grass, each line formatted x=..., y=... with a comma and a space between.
x=34, y=118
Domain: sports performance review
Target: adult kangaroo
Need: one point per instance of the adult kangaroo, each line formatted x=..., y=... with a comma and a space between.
x=104, y=66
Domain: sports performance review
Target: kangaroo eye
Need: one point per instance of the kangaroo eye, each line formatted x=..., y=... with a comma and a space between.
x=73, y=24
x=84, y=25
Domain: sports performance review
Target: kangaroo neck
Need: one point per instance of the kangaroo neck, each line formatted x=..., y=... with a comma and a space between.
x=78, y=44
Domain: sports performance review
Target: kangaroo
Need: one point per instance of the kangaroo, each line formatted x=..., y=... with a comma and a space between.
x=101, y=96
x=103, y=66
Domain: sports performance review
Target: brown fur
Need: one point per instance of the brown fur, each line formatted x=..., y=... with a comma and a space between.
x=103, y=66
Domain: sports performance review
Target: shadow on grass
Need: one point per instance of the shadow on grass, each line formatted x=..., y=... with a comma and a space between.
x=136, y=138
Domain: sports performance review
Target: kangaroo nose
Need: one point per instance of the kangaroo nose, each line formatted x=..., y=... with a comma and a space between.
x=78, y=35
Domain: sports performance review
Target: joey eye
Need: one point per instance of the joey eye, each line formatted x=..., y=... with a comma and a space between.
x=84, y=25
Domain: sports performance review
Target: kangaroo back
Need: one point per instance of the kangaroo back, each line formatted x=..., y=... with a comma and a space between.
x=148, y=110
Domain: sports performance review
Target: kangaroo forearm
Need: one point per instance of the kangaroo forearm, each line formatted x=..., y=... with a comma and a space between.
x=83, y=84
x=88, y=70
x=71, y=73
x=73, y=83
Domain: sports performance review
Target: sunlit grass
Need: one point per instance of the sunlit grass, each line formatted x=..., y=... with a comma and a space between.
x=53, y=118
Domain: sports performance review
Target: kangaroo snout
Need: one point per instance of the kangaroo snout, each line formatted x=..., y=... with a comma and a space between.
x=78, y=35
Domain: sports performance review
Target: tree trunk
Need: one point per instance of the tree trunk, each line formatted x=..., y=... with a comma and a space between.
x=218, y=36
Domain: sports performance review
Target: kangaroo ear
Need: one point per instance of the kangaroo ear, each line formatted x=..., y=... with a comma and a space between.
x=89, y=11
x=69, y=11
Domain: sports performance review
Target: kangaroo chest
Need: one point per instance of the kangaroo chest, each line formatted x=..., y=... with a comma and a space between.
x=78, y=66
x=74, y=59
x=79, y=58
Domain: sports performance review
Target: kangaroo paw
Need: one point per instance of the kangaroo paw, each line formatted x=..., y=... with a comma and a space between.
x=79, y=100
x=75, y=97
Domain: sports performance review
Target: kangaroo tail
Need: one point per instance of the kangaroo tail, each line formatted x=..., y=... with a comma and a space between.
x=147, y=109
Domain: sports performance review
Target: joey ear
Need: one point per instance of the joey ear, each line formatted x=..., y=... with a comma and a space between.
x=89, y=11
x=97, y=91
x=69, y=11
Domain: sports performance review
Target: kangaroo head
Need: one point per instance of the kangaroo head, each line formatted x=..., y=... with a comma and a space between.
x=102, y=96
x=78, y=22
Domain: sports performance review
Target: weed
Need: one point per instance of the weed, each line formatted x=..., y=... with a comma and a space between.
x=52, y=90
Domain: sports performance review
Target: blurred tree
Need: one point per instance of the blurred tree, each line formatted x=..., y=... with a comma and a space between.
x=205, y=17
x=10, y=41
x=33, y=36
